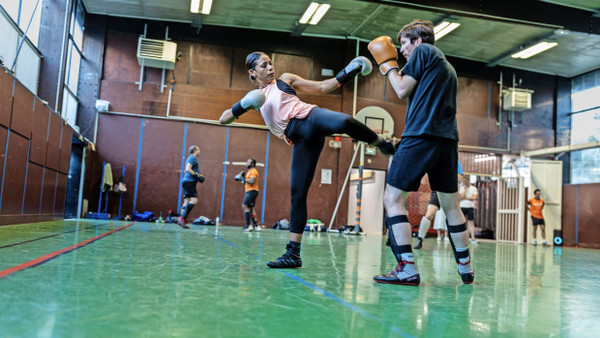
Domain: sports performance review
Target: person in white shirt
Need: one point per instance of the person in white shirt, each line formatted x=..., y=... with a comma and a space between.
x=468, y=196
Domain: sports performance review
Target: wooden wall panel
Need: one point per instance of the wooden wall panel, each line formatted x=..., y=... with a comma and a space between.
x=244, y=143
x=14, y=174
x=286, y=63
x=569, y=214
x=472, y=97
x=54, y=138
x=3, y=132
x=33, y=190
x=65, y=149
x=278, y=200
x=589, y=231
x=6, y=83
x=22, y=111
x=61, y=189
x=39, y=133
x=118, y=144
x=211, y=66
x=239, y=74
x=160, y=166
x=212, y=141
x=120, y=63
x=49, y=191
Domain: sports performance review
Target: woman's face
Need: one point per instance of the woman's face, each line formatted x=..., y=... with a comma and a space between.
x=263, y=70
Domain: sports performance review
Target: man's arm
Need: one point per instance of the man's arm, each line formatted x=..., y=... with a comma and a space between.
x=188, y=168
x=403, y=84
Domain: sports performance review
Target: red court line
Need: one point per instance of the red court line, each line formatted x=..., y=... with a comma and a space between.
x=43, y=259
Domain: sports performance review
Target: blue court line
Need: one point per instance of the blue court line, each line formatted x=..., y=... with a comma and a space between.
x=264, y=192
x=224, y=174
x=4, y=168
x=323, y=292
x=577, y=217
x=137, y=170
x=60, y=233
x=26, y=171
x=183, y=159
x=42, y=192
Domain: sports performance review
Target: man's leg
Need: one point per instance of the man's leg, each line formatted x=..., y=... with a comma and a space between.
x=184, y=206
x=543, y=230
x=425, y=224
x=399, y=232
x=457, y=231
x=247, y=217
x=254, y=221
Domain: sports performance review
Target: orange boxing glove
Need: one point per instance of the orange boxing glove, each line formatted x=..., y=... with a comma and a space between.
x=385, y=53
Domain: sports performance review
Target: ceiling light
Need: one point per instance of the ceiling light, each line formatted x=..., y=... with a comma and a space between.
x=535, y=49
x=314, y=13
x=444, y=28
x=195, y=6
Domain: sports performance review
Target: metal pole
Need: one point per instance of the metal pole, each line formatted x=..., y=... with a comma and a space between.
x=343, y=189
x=359, y=187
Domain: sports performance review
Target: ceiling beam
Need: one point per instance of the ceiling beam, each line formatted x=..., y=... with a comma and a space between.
x=368, y=19
x=530, y=12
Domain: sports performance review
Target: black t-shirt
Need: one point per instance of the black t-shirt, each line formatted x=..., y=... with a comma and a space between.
x=432, y=104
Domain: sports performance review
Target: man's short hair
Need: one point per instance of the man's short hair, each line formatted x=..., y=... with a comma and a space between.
x=253, y=162
x=536, y=190
x=418, y=28
x=193, y=148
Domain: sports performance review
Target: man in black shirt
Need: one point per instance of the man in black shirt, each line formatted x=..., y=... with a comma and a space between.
x=429, y=144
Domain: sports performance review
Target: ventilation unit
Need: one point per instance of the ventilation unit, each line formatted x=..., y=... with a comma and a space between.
x=516, y=99
x=156, y=53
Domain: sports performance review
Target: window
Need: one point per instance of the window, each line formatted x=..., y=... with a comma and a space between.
x=74, y=55
x=26, y=14
x=17, y=53
x=585, y=127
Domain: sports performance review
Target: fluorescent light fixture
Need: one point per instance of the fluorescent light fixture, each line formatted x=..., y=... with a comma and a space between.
x=314, y=13
x=206, y=6
x=195, y=6
x=444, y=28
x=533, y=50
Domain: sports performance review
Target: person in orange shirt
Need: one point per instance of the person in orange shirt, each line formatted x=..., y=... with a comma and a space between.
x=250, y=180
x=536, y=205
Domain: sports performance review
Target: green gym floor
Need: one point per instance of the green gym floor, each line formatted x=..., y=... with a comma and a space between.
x=99, y=279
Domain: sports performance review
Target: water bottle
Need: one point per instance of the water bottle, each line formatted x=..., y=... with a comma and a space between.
x=217, y=225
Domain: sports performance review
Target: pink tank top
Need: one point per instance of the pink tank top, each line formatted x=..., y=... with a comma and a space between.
x=282, y=105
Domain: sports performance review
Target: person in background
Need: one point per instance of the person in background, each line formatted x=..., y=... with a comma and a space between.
x=190, y=195
x=536, y=204
x=468, y=196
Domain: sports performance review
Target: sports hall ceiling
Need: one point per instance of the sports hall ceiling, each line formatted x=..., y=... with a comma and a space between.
x=490, y=30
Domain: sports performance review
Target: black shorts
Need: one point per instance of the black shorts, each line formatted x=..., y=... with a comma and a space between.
x=417, y=156
x=469, y=213
x=433, y=200
x=250, y=198
x=537, y=221
x=189, y=189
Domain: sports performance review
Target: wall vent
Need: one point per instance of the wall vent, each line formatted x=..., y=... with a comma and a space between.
x=516, y=99
x=156, y=53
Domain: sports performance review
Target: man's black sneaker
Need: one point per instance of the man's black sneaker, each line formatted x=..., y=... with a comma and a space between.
x=419, y=244
x=288, y=260
x=467, y=277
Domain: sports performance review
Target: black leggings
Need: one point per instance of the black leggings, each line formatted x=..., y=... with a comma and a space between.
x=308, y=136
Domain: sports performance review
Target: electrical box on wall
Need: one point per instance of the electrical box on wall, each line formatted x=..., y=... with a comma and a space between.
x=516, y=99
x=156, y=53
